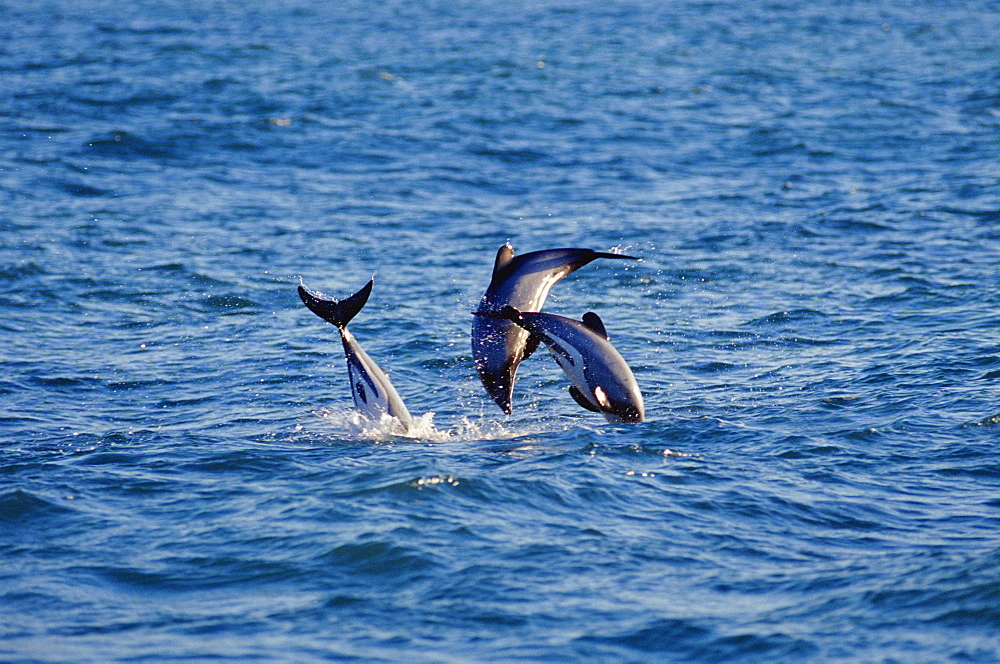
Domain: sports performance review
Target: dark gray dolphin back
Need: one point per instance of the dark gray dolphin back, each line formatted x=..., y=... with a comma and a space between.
x=523, y=282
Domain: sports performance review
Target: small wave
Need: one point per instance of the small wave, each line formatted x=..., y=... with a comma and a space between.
x=228, y=303
x=377, y=558
x=196, y=572
x=711, y=367
x=790, y=316
x=701, y=641
x=839, y=401
x=123, y=144
x=21, y=506
x=80, y=190
x=992, y=420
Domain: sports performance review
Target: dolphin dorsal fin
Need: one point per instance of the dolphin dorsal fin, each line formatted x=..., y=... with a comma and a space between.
x=595, y=324
x=505, y=255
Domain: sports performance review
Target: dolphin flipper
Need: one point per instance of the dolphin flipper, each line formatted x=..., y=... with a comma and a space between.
x=578, y=397
x=531, y=345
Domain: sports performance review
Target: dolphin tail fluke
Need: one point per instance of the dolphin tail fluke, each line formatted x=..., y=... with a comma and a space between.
x=337, y=312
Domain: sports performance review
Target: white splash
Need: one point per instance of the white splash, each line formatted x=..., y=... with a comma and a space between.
x=422, y=428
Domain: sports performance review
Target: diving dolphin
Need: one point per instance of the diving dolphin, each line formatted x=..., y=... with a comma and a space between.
x=602, y=381
x=522, y=282
x=373, y=394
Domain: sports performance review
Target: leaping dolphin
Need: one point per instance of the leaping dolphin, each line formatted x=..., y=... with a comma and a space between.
x=373, y=394
x=522, y=282
x=602, y=381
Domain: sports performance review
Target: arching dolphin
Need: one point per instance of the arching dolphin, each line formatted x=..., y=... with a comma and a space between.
x=522, y=282
x=373, y=394
x=602, y=381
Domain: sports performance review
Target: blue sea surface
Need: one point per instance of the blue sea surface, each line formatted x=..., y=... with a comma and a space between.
x=814, y=191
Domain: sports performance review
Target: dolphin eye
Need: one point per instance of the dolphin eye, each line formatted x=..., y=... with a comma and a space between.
x=361, y=391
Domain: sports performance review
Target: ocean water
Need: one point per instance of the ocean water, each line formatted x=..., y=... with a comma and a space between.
x=814, y=189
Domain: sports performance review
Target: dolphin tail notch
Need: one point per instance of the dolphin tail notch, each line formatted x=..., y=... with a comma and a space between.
x=337, y=312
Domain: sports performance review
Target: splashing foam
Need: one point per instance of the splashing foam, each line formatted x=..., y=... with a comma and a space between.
x=422, y=428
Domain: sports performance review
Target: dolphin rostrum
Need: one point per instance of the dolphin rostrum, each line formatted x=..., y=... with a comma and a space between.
x=373, y=394
x=522, y=282
x=602, y=381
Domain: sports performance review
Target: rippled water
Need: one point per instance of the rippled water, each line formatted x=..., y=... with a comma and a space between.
x=814, y=190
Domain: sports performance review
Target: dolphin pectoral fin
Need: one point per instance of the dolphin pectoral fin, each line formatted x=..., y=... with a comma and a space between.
x=594, y=323
x=582, y=400
x=488, y=314
x=531, y=345
x=507, y=313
